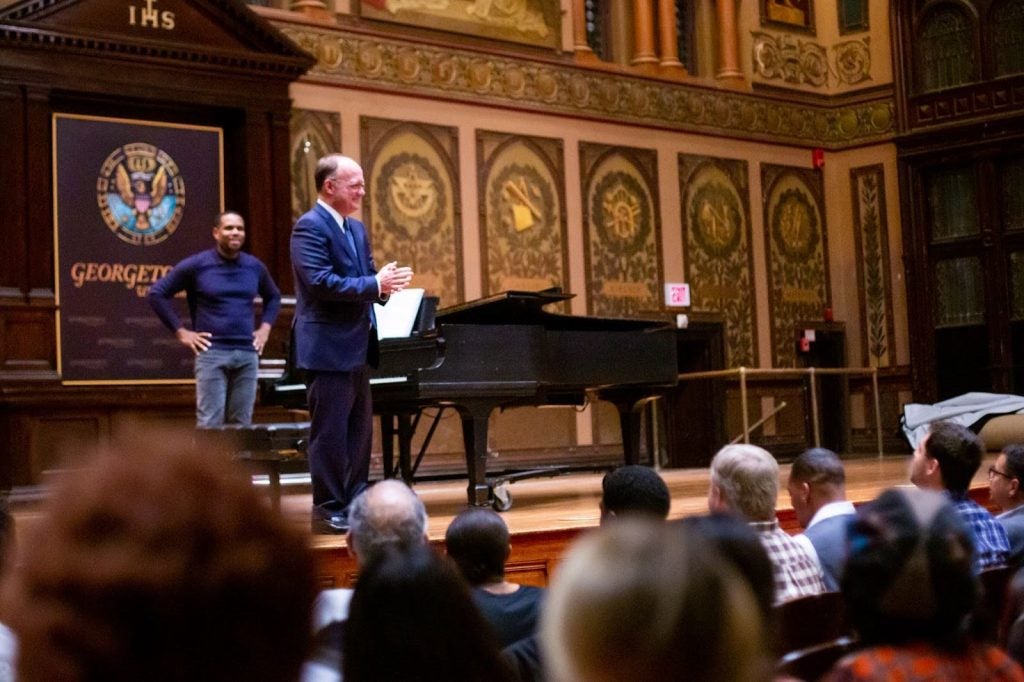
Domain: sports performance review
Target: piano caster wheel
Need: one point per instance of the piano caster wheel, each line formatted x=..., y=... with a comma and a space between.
x=501, y=498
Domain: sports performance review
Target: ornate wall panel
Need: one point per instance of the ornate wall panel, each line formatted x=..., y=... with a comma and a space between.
x=522, y=212
x=716, y=237
x=399, y=65
x=794, y=222
x=867, y=185
x=781, y=57
x=532, y=22
x=622, y=228
x=314, y=134
x=412, y=203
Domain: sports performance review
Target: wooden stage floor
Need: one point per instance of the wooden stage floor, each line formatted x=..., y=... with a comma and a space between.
x=570, y=501
x=548, y=513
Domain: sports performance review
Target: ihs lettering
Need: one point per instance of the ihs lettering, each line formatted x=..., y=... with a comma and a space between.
x=150, y=17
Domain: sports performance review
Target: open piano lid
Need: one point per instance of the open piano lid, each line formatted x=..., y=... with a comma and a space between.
x=523, y=307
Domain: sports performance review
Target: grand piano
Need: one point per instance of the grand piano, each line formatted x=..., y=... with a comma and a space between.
x=503, y=351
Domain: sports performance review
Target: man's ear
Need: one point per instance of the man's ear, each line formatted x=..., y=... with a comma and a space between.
x=714, y=498
x=1014, y=487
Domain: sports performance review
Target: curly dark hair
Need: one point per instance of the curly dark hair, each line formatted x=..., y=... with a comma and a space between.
x=155, y=563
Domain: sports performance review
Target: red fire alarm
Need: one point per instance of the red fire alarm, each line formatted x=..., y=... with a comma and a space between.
x=818, y=157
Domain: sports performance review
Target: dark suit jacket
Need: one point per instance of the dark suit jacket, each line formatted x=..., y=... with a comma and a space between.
x=335, y=290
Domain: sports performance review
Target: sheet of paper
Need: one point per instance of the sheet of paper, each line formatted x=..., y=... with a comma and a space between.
x=395, y=320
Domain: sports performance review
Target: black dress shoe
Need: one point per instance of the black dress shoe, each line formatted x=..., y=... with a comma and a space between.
x=328, y=525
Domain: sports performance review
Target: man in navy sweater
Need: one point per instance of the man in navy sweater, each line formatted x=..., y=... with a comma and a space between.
x=220, y=284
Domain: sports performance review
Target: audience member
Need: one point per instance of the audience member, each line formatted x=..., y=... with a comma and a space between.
x=946, y=459
x=634, y=489
x=387, y=516
x=739, y=544
x=412, y=618
x=643, y=602
x=817, y=490
x=1004, y=485
x=745, y=481
x=8, y=642
x=160, y=564
x=909, y=586
x=478, y=542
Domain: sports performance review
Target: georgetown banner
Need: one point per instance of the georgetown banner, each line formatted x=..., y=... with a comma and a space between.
x=131, y=199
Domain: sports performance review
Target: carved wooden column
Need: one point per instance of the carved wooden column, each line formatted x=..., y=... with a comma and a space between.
x=728, y=44
x=579, y=31
x=643, y=33
x=668, y=35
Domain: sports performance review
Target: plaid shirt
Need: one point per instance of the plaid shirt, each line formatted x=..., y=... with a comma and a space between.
x=991, y=546
x=795, y=570
x=920, y=662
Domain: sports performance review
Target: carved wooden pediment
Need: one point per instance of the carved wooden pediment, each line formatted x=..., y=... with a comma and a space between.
x=212, y=33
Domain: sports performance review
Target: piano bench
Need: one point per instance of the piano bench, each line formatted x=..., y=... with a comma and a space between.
x=273, y=463
x=268, y=449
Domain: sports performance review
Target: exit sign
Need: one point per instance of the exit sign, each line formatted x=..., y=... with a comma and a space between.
x=677, y=294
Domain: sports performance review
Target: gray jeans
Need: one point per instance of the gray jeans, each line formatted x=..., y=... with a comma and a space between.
x=225, y=386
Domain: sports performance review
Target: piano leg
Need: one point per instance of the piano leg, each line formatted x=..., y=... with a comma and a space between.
x=404, y=432
x=475, y=416
x=387, y=444
x=631, y=411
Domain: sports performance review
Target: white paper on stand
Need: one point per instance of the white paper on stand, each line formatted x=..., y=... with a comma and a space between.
x=395, y=320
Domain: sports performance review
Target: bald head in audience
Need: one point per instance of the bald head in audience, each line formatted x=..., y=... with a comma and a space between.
x=386, y=515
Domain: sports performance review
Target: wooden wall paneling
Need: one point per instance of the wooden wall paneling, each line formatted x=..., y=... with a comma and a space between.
x=58, y=441
x=38, y=187
x=13, y=223
x=259, y=192
x=278, y=234
x=27, y=343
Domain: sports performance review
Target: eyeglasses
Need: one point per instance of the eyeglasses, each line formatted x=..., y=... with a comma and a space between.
x=993, y=472
x=352, y=185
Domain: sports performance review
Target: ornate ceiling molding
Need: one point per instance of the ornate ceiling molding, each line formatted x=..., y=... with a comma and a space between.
x=398, y=66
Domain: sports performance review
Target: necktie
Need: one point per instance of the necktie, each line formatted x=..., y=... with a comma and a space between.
x=347, y=231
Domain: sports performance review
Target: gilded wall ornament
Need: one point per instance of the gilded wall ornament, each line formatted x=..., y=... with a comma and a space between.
x=522, y=84
x=411, y=204
x=622, y=229
x=718, y=256
x=802, y=62
x=797, y=254
x=522, y=202
x=867, y=184
x=313, y=134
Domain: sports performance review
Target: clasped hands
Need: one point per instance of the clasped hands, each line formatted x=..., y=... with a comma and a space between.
x=393, y=278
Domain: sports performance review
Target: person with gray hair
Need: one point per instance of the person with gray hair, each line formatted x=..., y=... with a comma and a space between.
x=817, y=490
x=745, y=482
x=386, y=517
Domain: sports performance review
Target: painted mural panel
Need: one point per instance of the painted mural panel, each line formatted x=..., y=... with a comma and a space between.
x=412, y=201
x=717, y=245
x=522, y=212
x=867, y=184
x=532, y=22
x=622, y=229
x=794, y=223
x=314, y=134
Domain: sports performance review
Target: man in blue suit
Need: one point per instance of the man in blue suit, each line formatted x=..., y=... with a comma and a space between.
x=335, y=338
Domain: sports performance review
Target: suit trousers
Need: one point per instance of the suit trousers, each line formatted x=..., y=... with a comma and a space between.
x=341, y=432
